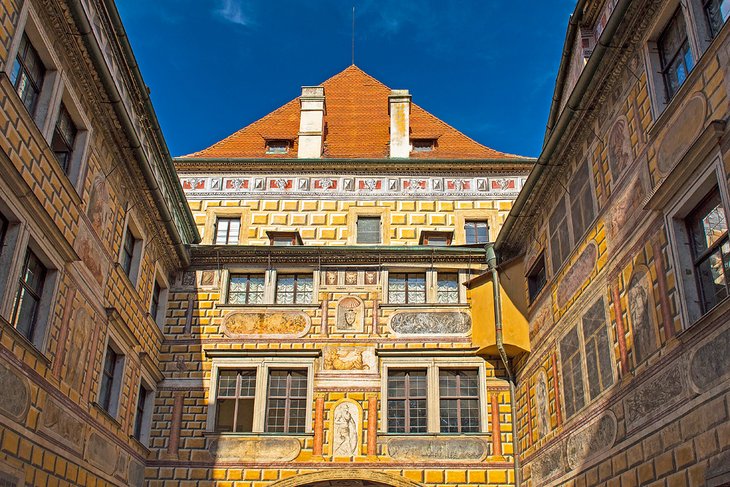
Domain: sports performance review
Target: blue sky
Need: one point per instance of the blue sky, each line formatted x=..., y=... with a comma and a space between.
x=487, y=67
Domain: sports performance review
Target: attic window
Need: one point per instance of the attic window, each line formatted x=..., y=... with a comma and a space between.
x=277, y=146
x=423, y=145
x=435, y=239
x=284, y=239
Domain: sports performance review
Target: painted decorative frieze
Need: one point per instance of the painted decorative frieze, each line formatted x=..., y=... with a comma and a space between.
x=202, y=186
x=59, y=423
x=337, y=358
x=101, y=453
x=253, y=449
x=683, y=130
x=430, y=323
x=654, y=396
x=438, y=449
x=15, y=397
x=270, y=323
x=710, y=364
x=591, y=440
x=550, y=463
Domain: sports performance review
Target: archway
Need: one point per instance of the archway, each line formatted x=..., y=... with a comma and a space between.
x=346, y=477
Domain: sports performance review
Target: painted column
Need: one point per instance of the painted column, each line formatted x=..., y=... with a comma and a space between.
x=496, y=429
x=663, y=296
x=556, y=389
x=318, y=426
x=620, y=330
x=177, y=411
x=372, y=424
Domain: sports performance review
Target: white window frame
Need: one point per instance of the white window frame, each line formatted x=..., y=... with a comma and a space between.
x=270, y=280
x=132, y=224
x=160, y=278
x=433, y=365
x=262, y=367
x=50, y=94
x=710, y=174
x=112, y=341
x=431, y=285
x=145, y=381
x=657, y=88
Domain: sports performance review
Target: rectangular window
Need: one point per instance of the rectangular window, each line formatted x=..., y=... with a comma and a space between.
x=111, y=378
x=536, y=278
x=368, y=230
x=235, y=401
x=423, y=145
x=459, y=401
x=436, y=239
x=27, y=75
x=4, y=225
x=407, y=406
x=717, y=12
x=674, y=53
x=476, y=231
x=227, y=231
x=581, y=201
x=28, y=298
x=570, y=361
x=286, y=405
x=708, y=231
x=128, y=251
x=277, y=146
x=404, y=288
x=284, y=239
x=559, y=235
x=140, y=415
x=294, y=289
x=246, y=289
x=64, y=137
x=598, y=349
x=155, y=302
x=447, y=287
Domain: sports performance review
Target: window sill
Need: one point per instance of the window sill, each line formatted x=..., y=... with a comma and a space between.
x=718, y=313
x=423, y=305
x=106, y=413
x=477, y=434
x=24, y=342
x=268, y=306
x=227, y=434
x=140, y=444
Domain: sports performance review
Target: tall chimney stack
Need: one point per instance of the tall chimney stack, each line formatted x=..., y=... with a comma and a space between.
x=311, y=122
x=399, y=107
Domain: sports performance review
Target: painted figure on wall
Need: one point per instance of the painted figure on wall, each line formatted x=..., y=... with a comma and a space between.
x=541, y=398
x=99, y=208
x=642, y=323
x=350, y=315
x=619, y=148
x=78, y=338
x=345, y=430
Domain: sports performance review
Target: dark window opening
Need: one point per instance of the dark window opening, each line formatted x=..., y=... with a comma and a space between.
x=717, y=12
x=536, y=278
x=28, y=298
x=476, y=231
x=64, y=137
x=27, y=75
x=674, y=53
x=368, y=230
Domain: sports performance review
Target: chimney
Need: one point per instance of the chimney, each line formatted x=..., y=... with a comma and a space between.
x=399, y=107
x=311, y=122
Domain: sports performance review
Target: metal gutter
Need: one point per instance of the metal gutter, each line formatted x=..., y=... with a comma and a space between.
x=566, y=116
x=79, y=14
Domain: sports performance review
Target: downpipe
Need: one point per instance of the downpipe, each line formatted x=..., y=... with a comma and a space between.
x=492, y=267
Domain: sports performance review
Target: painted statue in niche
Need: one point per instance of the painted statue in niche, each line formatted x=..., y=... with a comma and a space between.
x=345, y=439
x=99, y=208
x=78, y=339
x=350, y=315
x=542, y=400
x=640, y=313
x=619, y=148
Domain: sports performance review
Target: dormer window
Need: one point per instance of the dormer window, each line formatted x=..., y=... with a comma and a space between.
x=423, y=145
x=284, y=239
x=277, y=146
x=436, y=239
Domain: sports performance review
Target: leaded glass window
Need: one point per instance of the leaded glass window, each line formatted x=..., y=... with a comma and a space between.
x=286, y=407
x=246, y=289
x=294, y=289
x=459, y=401
x=407, y=288
x=407, y=401
x=447, y=287
x=675, y=54
x=235, y=400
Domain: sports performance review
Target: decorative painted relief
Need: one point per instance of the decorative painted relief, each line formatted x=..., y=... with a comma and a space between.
x=101, y=453
x=15, y=397
x=641, y=314
x=232, y=449
x=581, y=270
x=543, y=402
x=350, y=315
x=660, y=392
x=136, y=474
x=371, y=278
x=62, y=425
x=331, y=278
x=591, y=440
x=619, y=148
x=207, y=278
x=348, y=358
x=81, y=327
x=710, y=364
x=92, y=255
x=430, y=323
x=346, y=433
x=350, y=278
x=687, y=125
x=280, y=323
x=543, y=319
x=338, y=186
x=549, y=463
x=99, y=207
x=624, y=207
x=438, y=449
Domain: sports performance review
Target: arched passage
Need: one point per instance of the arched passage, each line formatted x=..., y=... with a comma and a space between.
x=346, y=477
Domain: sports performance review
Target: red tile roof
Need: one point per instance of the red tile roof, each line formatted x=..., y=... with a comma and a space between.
x=356, y=126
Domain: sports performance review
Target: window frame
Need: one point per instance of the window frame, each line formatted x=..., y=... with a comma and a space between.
x=262, y=365
x=476, y=223
x=358, y=230
x=287, y=398
x=112, y=404
x=406, y=400
x=433, y=366
x=711, y=28
x=144, y=421
x=36, y=294
x=159, y=279
x=216, y=228
x=270, y=146
x=247, y=292
x=133, y=228
x=448, y=236
x=294, y=294
x=290, y=239
x=535, y=283
x=406, y=274
x=677, y=56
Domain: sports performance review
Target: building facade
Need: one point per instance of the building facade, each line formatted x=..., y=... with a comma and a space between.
x=621, y=232
x=86, y=258
x=323, y=329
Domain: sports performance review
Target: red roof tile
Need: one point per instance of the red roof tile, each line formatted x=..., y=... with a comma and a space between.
x=356, y=126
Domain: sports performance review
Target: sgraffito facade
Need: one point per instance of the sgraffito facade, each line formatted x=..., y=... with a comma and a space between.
x=622, y=233
x=335, y=279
